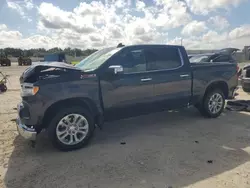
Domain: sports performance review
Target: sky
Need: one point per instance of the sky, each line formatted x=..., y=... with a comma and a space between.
x=199, y=24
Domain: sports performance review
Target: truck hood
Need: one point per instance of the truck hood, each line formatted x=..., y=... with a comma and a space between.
x=44, y=71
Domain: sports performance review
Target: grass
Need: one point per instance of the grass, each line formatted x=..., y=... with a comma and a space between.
x=74, y=62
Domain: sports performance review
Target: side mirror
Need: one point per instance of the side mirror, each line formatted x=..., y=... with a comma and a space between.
x=116, y=69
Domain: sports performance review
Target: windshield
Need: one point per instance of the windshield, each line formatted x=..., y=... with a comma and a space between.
x=96, y=59
x=198, y=59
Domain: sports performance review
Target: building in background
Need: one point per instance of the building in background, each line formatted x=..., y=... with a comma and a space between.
x=246, y=52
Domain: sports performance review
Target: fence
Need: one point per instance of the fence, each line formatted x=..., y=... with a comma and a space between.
x=37, y=59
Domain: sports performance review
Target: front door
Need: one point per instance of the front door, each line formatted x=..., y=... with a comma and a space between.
x=131, y=91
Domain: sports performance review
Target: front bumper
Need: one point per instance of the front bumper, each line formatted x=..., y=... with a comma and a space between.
x=26, y=132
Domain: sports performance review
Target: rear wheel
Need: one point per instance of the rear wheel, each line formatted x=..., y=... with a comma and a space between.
x=3, y=88
x=213, y=104
x=71, y=128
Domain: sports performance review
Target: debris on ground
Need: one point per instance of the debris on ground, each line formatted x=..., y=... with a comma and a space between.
x=210, y=161
x=238, y=105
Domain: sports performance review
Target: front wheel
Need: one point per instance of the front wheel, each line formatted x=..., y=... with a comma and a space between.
x=213, y=104
x=71, y=128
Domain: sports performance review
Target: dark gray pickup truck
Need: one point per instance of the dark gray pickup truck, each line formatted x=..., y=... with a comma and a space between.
x=70, y=101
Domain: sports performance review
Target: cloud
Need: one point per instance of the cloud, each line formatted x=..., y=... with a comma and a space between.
x=114, y=20
x=240, y=32
x=140, y=5
x=98, y=25
x=219, y=22
x=206, y=6
x=21, y=7
x=9, y=37
x=81, y=20
x=194, y=28
x=172, y=14
x=3, y=27
x=238, y=37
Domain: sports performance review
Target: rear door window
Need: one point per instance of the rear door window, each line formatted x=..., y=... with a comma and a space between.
x=162, y=58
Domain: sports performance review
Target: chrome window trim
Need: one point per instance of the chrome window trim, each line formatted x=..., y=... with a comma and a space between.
x=182, y=64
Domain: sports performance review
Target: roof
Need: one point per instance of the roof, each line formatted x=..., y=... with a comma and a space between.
x=153, y=45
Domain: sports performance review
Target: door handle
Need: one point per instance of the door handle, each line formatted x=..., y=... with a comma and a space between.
x=146, y=79
x=184, y=75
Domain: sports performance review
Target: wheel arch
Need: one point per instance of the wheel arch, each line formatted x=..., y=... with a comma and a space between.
x=218, y=85
x=77, y=101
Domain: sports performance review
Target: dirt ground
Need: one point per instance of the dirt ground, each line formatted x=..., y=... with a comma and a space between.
x=161, y=150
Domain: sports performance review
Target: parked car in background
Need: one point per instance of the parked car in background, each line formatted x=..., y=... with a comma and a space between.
x=190, y=55
x=24, y=61
x=223, y=55
x=70, y=101
x=4, y=60
x=245, y=78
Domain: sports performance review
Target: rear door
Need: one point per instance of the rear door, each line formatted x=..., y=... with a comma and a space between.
x=170, y=75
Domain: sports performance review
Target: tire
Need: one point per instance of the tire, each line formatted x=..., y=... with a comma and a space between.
x=54, y=127
x=4, y=88
x=205, y=107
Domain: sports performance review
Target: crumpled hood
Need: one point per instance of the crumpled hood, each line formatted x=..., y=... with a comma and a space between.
x=44, y=70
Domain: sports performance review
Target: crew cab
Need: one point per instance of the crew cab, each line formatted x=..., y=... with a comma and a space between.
x=70, y=101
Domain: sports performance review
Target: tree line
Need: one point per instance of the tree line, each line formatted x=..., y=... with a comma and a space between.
x=40, y=52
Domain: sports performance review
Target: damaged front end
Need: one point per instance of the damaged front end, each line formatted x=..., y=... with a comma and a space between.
x=32, y=81
x=245, y=79
x=45, y=71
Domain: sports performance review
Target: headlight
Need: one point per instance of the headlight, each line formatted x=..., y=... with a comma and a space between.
x=28, y=89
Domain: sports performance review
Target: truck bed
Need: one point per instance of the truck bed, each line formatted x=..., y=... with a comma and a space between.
x=205, y=73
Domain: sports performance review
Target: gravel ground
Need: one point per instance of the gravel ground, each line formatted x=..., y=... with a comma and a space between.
x=166, y=149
